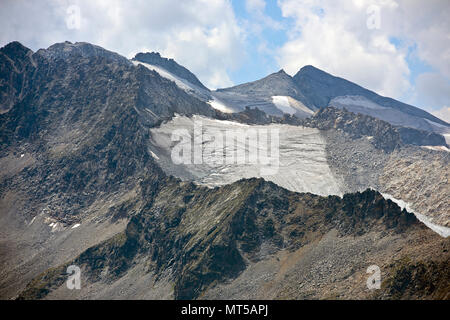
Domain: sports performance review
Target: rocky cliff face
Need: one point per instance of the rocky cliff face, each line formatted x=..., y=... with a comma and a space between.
x=357, y=125
x=14, y=59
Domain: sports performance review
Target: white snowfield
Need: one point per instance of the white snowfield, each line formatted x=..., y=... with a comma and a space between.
x=356, y=101
x=441, y=230
x=302, y=163
x=447, y=138
x=219, y=105
x=287, y=104
x=438, y=125
x=282, y=103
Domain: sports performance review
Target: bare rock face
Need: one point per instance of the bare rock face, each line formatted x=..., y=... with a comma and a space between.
x=420, y=137
x=14, y=60
x=384, y=135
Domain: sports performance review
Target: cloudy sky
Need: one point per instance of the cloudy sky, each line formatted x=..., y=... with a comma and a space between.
x=398, y=48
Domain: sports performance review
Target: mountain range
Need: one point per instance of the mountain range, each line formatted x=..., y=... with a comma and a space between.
x=87, y=179
x=309, y=90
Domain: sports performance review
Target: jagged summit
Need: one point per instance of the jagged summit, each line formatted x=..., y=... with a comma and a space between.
x=281, y=71
x=14, y=46
x=16, y=52
x=275, y=84
x=67, y=50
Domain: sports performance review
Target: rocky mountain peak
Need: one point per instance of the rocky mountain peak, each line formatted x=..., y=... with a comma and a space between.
x=281, y=75
x=67, y=50
x=310, y=69
x=282, y=72
x=320, y=87
x=15, y=49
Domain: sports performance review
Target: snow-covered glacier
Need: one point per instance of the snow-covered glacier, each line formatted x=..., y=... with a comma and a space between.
x=302, y=164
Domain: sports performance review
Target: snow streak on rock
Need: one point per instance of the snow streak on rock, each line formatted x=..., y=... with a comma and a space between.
x=441, y=230
x=282, y=103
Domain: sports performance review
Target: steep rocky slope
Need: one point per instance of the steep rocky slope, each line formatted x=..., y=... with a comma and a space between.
x=205, y=240
x=14, y=59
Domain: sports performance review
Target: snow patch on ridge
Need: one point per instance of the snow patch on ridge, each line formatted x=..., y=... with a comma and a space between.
x=358, y=101
x=441, y=230
x=181, y=83
x=219, y=105
x=437, y=148
x=282, y=103
x=287, y=104
x=437, y=124
x=447, y=138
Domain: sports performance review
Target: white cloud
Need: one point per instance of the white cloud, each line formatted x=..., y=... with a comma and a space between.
x=206, y=37
x=333, y=36
x=260, y=20
x=427, y=25
x=255, y=5
x=200, y=34
x=432, y=92
x=443, y=113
